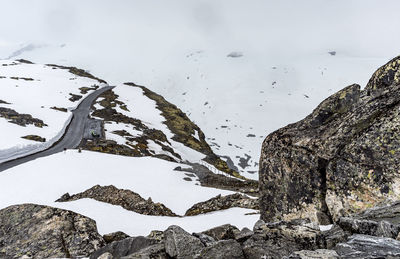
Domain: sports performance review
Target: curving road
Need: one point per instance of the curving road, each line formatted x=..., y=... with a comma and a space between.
x=72, y=136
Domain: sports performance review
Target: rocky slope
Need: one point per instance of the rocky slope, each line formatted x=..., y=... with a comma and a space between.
x=35, y=231
x=342, y=158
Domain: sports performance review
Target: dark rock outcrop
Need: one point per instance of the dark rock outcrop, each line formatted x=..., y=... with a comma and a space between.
x=41, y=232
x=222, y=232
x=180, y=244
x=20, y=119
x=156, y=251
x=363, y=246
x=224, y=249
x=124, y=247
x=125, y=198
x=115, y=236
x=222, y=203
x=341, y=159
x=333, y=236
x=35, y=138
x=319, y=253
x=279, y=239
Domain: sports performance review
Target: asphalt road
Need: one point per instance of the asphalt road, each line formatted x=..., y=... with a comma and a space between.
x=71, y=138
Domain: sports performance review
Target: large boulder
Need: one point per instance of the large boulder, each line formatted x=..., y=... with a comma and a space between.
x=279, y=239
x=363, y=246
x=37, y=231
x=224, y=249
x=180, y=244
x=124, y=247
x=341, y=159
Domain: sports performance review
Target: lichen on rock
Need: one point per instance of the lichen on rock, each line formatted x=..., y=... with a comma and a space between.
x=341, y=159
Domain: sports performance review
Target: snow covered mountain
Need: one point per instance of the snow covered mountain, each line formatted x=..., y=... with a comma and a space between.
x=158, y=154
x=239, y=70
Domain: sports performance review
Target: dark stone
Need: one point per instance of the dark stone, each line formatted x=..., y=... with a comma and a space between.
x=115, y=236
x=243, y=235
x=333, y=236
x=224, y=249
x=41, y=232
x=152, y=252
x=124, y=247
x=127, y=199
x=363, y=246
x=180, y=244
x=223, y=232
x=279, y=239
x=369, y=227
x=319, y=253
x=223, y=202
x=347, y=147
x=205, y=239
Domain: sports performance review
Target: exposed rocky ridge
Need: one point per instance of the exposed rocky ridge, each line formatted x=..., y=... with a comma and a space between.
x=184, y=130
x=20, y=119
x=76, y=71
x=34, y=138
x=223, y=202
x=41, y=232
x=127, y=199
x=341, y=159
x=134, y=146
x=209, y=179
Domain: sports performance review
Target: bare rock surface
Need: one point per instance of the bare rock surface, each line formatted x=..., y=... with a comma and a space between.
x=180, y=244
x=341, y=159
x=37, y=231
x=319, y=253
x=363, y=246
x=124, y=247
x=224, y=249
x=125, y=198
x=223, y=202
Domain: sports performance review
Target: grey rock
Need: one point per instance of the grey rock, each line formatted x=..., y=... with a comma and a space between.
x=319, y=253
x=38, y=231
x=152, y=252
x=180, y=244
x=224, y=249
x=347, y=147
x=222, y=232
x=156, y=235
x=279, y=239
x=363, y=246
x=389, y=212
x=124, y=247
x=205, y=239
x=243, y=235
x=222, y=203
x=259, y=225
x=115, y=236
x=127, y=199
x=106, y=255
x=333, y=236
x=369, y=227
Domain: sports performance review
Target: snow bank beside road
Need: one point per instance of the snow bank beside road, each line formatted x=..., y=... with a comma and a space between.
x=36, y=90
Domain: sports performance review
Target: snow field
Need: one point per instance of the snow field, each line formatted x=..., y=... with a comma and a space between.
x=44, y=180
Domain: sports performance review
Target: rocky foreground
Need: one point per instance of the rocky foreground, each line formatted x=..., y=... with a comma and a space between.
x=35, y=231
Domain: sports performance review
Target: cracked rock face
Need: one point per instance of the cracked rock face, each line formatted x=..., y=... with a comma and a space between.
x=39, y=231
x=341, y=159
